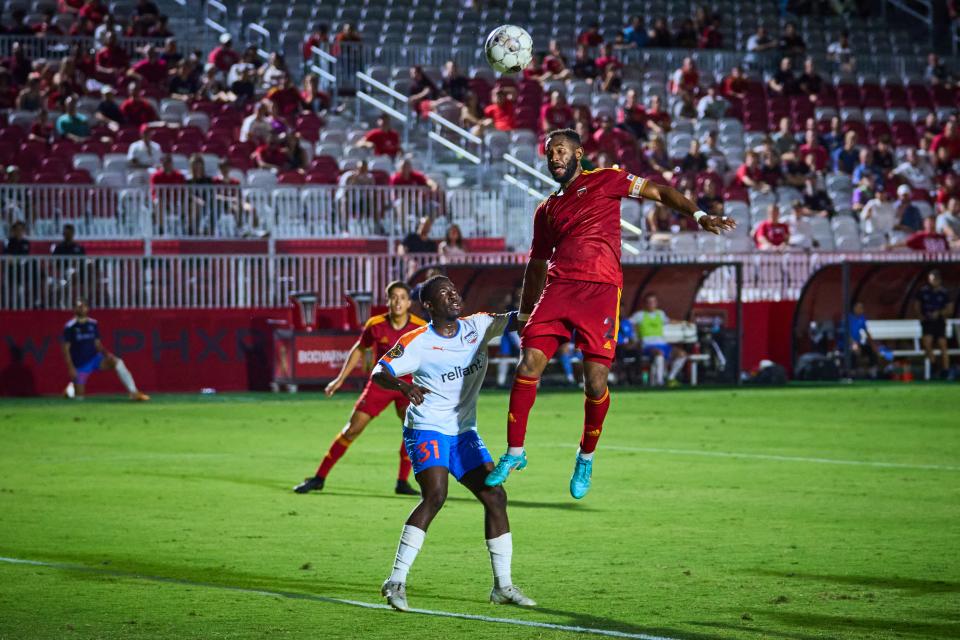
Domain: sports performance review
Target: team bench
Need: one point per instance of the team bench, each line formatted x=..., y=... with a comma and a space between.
x=908, y=331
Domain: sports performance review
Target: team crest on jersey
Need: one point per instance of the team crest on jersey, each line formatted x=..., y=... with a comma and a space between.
x=582, y=191
x=471, y=337
x=385, y=340
x=396, y=352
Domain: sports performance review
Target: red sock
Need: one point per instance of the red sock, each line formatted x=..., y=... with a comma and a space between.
x=405, y=465
x=337, y=449
x=594, y=411
x=522, y=396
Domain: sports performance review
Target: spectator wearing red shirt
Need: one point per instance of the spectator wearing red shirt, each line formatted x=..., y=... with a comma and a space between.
x=610, y=139
x=632, y=116
x=224, y=56
x=319, y=37
x=82, y=27
x=734, y=84
x=348, y=34
x=271, y=154
x=928, y=240
x=165, y=175
x=749, y=174
x=658, y=120
x=406, y=176
x=111, y=59
x=686, y=79
x=502, y=114
x=812, y=146
x=950, y=139
x=771, y=234
x=586, y=139
x=384, y=140
x=590, y=37
x=46, y=27
x=554, y=63
x=92, y=10
x=948, y=189
x=606, y=57
x=710, y=37
x=285, y=97
x=135, y=109
x=556, y=114
x=152, y=69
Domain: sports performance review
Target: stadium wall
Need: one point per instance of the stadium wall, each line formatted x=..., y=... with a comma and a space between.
x=187, y=350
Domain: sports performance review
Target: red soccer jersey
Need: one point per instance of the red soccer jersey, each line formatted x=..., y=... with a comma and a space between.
x=929, y=242
x=385, y=143
x=776, y=233
x=578, y=228
x=379, y=335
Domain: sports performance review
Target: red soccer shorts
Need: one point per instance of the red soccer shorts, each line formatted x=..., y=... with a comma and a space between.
x=375, y=399
x=592, y=309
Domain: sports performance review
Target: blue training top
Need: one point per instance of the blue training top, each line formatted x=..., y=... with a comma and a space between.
x=82, y=338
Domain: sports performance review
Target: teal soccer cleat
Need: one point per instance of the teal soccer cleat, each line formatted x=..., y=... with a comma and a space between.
x=580, y=480
x=506, y=464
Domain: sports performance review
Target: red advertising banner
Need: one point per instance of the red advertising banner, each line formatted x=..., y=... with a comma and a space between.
x=304, y=358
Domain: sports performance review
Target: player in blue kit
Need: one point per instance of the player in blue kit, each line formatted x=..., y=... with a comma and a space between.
x=84, y=354
x=448, y=360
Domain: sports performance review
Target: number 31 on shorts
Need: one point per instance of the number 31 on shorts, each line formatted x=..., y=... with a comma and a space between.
x=425, y=450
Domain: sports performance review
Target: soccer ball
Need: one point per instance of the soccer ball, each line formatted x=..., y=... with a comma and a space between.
x=509, y=49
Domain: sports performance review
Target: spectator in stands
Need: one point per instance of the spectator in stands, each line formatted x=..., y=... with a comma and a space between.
x=273, y=73
x=250, y=60
x=710, y=200
x=867, y=165
x=318, y=37
x=710, y=36
x=659, y=35
x=928, y=240
x=590, y=37
x=937, y=72
x=816, y=201
x=17, y=243
x=833, y=138
x=297, y=159
x=659, y=220
x=757, y=45
x=453, y=83
x=611, y=79
x=686, y=79
x=812, y=147
x=795, y=170
x=212, y=87
x=271, y=154
x=144, y=153
x=166, y=174
x=840, y=53
x=359, y=176
x=783, y=82
x=883, y=158
x=770, y=171
x=383, y=140
x=734, y=84
x=791, y=42
x=635, y=33
x=452, y=244
x=908, y=216
x=685, y=108
x=72, y=125
x=555, y=63
x=771, y=234
x=256, y=126
x=863, y=193
x=948, y=223
x=151, y=69
x=111, y=60
x=949, y=188
x=30, y=97
x=244, y=87
x=556, y=114
x=584, y=65
x=879, y=215
x=502, y=114
x=68, y=247
x=41, y=130
x=136, y=109
x=948, y=139
x=810, y=83
x=712, y=105
x=610, y=139
x=422, y=90
x=418, y=241
x=686, y=36
x=285, y=97
x=784, y=140
x=313, y=97
x=845, y=158
x=160, y=28
x=749, y=174
x=109, y=25
x=93, y=10
x=695, y=161
x=658, y=121
x=915, y=170
x=471, y=113
x=406, y=176
x=108, y=109
x=45, y=27
x=606, y=58
x=18, y=64
x=224, y=56
x=183, y=85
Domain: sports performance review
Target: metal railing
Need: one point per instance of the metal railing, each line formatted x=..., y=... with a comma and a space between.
x=225, y=211
x=219, y=282
x=54, y=47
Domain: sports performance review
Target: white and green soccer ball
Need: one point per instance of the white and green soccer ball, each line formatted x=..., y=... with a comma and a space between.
x=509, y=49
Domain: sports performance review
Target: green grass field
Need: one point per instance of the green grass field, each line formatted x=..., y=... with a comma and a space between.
x=818, y=512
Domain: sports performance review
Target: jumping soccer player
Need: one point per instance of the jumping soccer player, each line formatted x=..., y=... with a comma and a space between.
x=84, y=354
x=380, y=333
x=572, y=282
x=448, y=360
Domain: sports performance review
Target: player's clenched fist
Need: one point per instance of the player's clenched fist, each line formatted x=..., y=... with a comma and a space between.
x=414, y=393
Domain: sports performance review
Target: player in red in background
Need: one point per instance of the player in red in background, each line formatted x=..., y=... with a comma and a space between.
x=380, y=333
x=572, y=283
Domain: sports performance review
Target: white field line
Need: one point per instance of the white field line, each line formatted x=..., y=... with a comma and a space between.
x=353, y=603
x=769, y=456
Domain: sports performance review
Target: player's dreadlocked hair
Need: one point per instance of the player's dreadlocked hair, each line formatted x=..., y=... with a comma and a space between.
x=569, y=134
x=397, y=284
x=429, y=286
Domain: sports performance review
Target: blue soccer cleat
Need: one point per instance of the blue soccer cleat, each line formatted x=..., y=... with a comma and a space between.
x=580, y=480
x=506, y=464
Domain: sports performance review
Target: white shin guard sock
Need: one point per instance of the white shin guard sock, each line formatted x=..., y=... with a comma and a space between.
x=411, y=540
x=126, y=377
x=658, y=367
x=501, y=556
x=676, y=367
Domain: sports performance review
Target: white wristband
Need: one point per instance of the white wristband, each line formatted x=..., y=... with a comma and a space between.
x=699, y=214
x=523, y=317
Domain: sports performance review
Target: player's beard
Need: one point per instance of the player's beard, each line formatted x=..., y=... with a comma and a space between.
x=568, y=170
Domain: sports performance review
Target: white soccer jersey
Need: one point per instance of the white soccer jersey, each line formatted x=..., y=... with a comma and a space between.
x=451, y=368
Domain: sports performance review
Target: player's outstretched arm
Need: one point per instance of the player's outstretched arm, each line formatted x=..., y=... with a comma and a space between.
x=534, y=279
x=386, y=380
x=353, y=359
x=675, y=200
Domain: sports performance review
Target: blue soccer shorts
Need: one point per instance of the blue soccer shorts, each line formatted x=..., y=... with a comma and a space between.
x=652, y=349
x=458, y=454
x=85, y=369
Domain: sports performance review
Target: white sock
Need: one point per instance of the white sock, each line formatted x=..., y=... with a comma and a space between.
x=658, y=371
x=585, y=456
x=410, y=542
x=501, y=554
x=502, y=369
x=676, y=366
x=125, y=377
x=514, y=451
